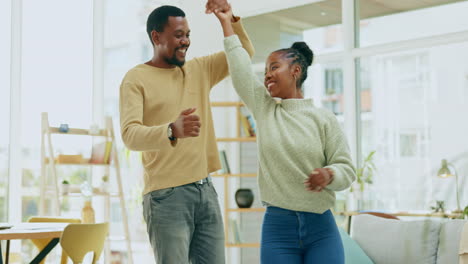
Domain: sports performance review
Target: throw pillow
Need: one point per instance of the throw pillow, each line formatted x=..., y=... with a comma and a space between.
x=353, y=252
x=388, y=241
x=449, y=241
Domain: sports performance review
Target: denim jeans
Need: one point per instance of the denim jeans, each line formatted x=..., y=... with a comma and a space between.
x=300, y=238
x=185, y=225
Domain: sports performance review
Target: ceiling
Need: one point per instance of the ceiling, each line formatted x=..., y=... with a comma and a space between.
x=328, y=12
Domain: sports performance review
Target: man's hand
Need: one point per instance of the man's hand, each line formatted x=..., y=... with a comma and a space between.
x=187, y=125
x=212, y=5
x=319, y=179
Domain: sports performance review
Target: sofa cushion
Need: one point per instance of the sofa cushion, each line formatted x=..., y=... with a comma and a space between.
x=464, y=245
x=353, y=252
x=449, y=241
x=388, y=241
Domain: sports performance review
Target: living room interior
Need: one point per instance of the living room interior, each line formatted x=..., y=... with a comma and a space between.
x=394, y=73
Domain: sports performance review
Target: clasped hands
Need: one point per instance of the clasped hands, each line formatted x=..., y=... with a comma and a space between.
x=212, y=5
x=319, y=179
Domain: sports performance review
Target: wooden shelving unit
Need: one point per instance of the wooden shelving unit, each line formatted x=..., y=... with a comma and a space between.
x=227, y=196
x=49, y=182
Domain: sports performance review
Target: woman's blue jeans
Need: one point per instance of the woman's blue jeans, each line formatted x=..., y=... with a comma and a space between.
x=294, y=237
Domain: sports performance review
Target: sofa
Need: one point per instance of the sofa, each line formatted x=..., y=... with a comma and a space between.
x=390, y=241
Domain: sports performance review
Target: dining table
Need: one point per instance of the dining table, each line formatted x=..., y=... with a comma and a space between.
x=14, y=231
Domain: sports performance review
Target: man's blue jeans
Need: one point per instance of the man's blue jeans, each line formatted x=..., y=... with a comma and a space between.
x=300, y=238
x=185, y=225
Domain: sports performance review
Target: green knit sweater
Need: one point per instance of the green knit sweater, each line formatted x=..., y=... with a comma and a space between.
x=293, y=138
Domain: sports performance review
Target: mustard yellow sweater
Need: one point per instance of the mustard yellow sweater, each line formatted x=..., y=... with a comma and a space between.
x=151, y=98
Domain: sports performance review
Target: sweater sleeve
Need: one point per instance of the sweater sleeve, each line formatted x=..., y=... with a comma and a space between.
x=135, y=135
x=216, y=64
x=246, y=83
x=338, y=156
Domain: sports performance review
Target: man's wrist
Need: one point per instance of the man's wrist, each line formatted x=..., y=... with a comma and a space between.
x=170, y=132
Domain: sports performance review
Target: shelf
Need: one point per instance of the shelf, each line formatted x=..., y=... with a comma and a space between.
x=78, y=131
x=238, y=139
x=53, y=193
x=246, y=210
x=76, y=193
x=85, y=163
x=241, y=175
x=226, y=104
x=243, y=245
x=82, y=164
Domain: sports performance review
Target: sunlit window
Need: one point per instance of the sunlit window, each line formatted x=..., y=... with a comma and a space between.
x=5, y=32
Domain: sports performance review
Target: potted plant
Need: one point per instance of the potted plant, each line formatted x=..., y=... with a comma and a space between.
x=365, y=173
x=65, y=187
x=364, y=176
x=105, y=183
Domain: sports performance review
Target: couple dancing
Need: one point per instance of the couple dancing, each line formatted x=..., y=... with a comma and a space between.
x=303, y=154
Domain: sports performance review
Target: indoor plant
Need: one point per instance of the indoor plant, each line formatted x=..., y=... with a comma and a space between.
x=105, y=183
x=364, y=177
x=365, y=174
x=65, y=187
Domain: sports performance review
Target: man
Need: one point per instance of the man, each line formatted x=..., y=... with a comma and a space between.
x=165, y=113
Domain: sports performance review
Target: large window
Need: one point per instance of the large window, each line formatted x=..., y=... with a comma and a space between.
x=418, y=98
x=5, y=32
x=56, y=77
x=325, y=86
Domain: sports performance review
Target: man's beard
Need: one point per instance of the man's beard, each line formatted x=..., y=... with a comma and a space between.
x=175, y=61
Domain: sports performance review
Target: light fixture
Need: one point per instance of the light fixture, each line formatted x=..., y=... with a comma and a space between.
x=446, y=172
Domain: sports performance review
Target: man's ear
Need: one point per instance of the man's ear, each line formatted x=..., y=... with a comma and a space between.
x=155, y=37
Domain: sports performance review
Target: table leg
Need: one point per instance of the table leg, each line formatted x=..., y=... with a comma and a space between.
x=45, y=251
x=1, y=255
x=349, y=224
x=7, y=253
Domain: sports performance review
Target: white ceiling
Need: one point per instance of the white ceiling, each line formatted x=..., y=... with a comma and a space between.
x=310, y=14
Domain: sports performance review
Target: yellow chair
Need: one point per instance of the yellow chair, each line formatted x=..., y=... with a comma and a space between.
x=41, y=243
x=79, y=239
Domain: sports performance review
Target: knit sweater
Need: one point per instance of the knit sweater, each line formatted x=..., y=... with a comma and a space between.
x=151, y=98
x=293, y=139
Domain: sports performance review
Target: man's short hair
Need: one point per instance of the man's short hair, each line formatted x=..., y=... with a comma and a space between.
x=158, y=19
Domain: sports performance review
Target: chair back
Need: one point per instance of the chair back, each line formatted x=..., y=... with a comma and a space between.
x=79, y=239
x=41, y=243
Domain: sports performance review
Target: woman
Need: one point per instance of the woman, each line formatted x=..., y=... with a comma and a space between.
x=303, y=155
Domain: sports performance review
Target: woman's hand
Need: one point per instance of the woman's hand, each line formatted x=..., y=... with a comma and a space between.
x=319, y=179
x=225, y=18
x=224, y=15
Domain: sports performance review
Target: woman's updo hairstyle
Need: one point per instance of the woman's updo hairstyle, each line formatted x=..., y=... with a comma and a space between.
x=301, y=54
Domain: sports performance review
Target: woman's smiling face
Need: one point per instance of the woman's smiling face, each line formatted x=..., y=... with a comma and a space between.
x=279, y=76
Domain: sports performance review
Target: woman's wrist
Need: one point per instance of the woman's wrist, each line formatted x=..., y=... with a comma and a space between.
x=331, y=174
x=227, y=28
